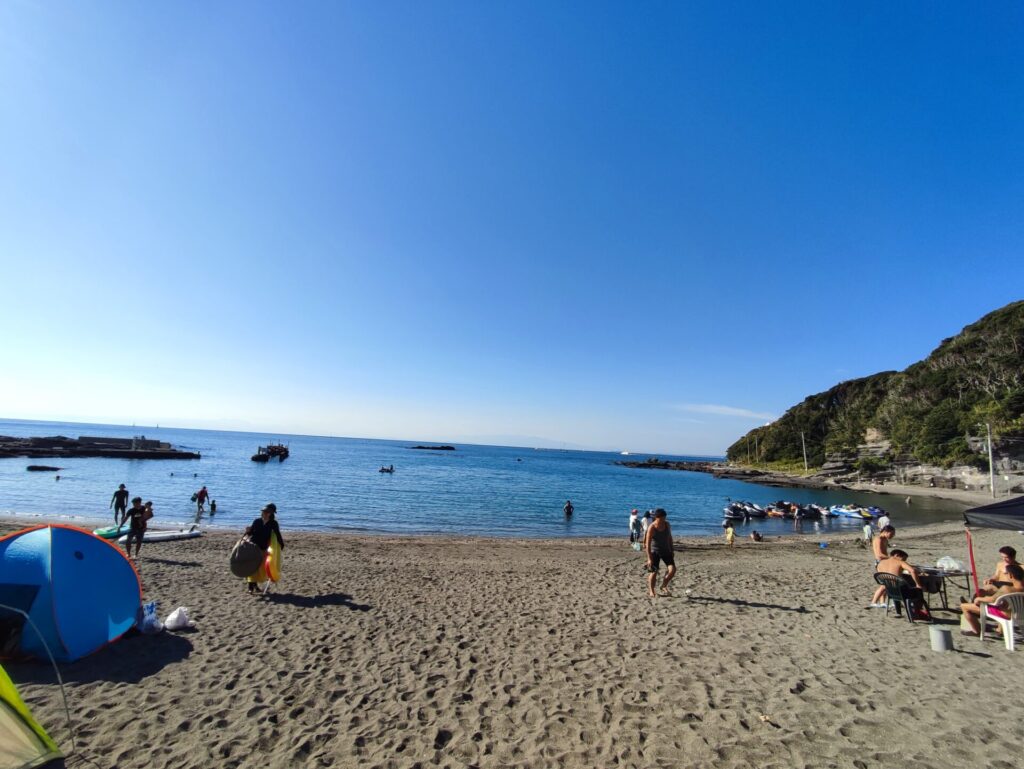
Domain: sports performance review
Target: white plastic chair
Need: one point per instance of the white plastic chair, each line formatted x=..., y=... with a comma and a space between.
x=1013, y=603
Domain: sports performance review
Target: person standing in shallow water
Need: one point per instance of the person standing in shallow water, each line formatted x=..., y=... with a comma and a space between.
x=659, y=548
x=568, y=508
x=119, y=501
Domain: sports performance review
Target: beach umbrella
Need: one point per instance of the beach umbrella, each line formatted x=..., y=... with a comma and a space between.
x=79, y=591
x=1008, y=514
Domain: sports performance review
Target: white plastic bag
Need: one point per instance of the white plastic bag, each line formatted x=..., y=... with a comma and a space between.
x=178, y=619
x=150, y=624
x=948, y=563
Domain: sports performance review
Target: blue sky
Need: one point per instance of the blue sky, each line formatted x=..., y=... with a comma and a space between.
x=642, y=226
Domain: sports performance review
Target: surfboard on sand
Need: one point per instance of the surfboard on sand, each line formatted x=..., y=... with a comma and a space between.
x=165, y=536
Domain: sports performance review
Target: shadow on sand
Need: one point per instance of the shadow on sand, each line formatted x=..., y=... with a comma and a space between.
x=170, y=562
x=315, y=601
x=749, y=604
x=129, y=660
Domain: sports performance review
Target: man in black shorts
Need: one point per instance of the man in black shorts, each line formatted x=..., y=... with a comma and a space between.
x=136, y=514
x=119, y=501
x=658, y=546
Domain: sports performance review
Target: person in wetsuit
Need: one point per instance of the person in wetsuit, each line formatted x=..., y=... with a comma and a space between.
x=568, y=508
x=119, y=501
x=136, y=514
x=658, y=546
x=259, y=533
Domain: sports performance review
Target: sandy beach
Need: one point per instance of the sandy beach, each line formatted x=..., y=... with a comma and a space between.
x=458, y=652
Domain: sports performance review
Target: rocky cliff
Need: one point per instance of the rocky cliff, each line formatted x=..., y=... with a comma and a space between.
x=922, y=425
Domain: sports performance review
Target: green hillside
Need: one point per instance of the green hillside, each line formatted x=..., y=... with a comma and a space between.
x=927, y=411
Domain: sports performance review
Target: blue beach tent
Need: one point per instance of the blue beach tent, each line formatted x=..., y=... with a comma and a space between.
x=80, y=591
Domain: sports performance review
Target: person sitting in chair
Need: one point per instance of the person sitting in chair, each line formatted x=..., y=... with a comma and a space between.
x=1008, y=557
x=1014, y=584
x=896, y=564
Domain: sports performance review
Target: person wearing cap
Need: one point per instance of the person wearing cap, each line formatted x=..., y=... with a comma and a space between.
x=635, y=527
x=659, y=548
x=119, y=501
x=260, y=532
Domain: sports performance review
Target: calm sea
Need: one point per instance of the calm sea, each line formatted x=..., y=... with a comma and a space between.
x=333, y=484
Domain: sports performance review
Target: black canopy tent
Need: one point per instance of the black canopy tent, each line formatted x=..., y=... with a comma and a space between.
x=1008, y=514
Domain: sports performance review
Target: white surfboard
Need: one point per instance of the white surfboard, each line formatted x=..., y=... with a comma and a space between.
x=165, y=536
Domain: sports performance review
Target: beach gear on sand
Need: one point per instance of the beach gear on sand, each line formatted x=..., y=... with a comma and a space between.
x=179, y=620
x=79, y=591
x=23, y=742
x=165, y=536
x=270, y=566
x=246, y=558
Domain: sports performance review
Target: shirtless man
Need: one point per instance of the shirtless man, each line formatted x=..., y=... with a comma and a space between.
x=1014, y=584
x=896, y=564
x=880, y=548
x=1000, y=578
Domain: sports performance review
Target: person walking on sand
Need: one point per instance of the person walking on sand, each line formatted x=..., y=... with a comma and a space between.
x=264, y=531
x=658, y=546
x=730, y=535
x=136, y=515
x=868, y=533
x=119, y=501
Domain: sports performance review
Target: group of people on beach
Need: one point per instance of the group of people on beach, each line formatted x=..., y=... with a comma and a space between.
x=1008, y=577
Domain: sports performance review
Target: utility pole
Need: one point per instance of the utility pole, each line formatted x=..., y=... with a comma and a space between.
x=804, y=444
x=757, y=454
x=991, y=467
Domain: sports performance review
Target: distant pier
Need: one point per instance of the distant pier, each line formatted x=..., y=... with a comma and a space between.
x=85, y=446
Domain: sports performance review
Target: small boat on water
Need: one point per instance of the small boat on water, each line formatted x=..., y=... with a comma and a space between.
x=270, y=451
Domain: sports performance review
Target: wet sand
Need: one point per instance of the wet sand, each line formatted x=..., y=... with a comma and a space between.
x=458, y=652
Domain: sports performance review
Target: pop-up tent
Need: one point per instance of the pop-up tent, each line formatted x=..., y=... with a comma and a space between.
x=79, y=591
x=1008, y=514
x=23, y=742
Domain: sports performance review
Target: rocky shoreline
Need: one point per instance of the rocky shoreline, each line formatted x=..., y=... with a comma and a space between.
x=978, y=495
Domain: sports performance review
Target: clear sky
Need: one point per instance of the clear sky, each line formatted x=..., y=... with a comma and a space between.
x=641, y=226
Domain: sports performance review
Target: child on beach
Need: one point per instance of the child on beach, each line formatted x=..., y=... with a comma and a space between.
x=730, y=535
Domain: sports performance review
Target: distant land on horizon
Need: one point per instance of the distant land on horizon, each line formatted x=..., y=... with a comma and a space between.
x=499, y=441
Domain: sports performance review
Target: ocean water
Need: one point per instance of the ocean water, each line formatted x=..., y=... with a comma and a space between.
x=333, y=484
